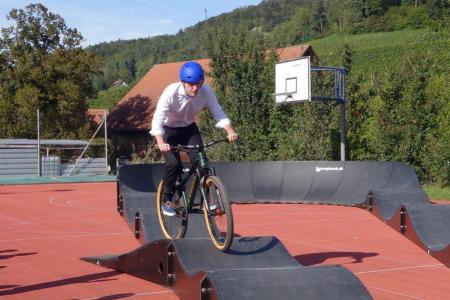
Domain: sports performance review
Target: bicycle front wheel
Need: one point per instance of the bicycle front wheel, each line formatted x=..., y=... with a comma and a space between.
x=171, y=227
x=218, y=214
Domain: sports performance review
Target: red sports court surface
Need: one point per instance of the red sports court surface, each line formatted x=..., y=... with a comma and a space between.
x=45, y=229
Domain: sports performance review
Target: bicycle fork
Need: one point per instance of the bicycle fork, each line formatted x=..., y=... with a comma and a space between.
x=182, y=199
x=199, y=182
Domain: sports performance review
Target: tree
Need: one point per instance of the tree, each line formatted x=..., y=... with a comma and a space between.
x=242, y=69
x=108, y=98
x=438, y=8
x=296, y=30
x=361, y=10
x=335, y=10
x=409, y=118
x=318, y=16
x=243, y=82
x=43, y=67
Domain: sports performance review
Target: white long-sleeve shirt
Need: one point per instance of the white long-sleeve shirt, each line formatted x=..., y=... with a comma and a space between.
x=176, y=109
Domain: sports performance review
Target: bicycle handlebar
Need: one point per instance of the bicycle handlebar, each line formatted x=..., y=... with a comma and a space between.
x=187, y=147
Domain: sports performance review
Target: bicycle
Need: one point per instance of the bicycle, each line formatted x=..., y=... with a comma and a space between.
x=218, y=219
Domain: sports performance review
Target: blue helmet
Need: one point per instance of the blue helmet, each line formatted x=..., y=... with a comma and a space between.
x=192, y=72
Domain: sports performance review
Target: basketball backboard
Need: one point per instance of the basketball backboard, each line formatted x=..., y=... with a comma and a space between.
x=293, y=80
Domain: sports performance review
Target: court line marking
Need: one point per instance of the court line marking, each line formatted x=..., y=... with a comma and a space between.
x=14, y=219
x=68, y=236
x=399, y=269
x=369, y=218
x=393, y=292
x=306, y=221
x=298, y=213
x=65, y=221
x=69, y=202
x=135, y=294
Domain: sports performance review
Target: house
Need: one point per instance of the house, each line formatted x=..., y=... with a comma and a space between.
x=119, y=83
x=129, y=123
x=97, y=114
x=296, y=51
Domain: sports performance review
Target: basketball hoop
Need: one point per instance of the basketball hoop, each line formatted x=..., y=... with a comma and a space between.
x=283, y=98
x=293, y=81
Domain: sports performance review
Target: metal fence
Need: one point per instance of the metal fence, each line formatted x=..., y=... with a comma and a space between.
x=18, y=162
x=51, y=166
x=23, y=162
x=85, y=166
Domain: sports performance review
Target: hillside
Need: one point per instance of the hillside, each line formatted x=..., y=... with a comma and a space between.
x=373, y=52
x=284, y=22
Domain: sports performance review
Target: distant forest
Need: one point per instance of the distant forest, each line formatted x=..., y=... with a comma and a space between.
x=284, y=22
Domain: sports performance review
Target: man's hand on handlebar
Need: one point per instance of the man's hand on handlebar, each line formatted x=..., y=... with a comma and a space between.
x=163, y=147
x=161, y=143
x=233, y=137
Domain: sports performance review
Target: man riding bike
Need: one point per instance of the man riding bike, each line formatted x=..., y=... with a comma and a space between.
x=174, y=123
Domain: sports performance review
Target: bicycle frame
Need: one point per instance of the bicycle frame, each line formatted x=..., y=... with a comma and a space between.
x=200, y=164
x=214, y=203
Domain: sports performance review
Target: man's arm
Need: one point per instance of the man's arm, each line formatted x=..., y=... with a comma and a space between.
x=220, y=116
x=162, y=145
x=158, y=119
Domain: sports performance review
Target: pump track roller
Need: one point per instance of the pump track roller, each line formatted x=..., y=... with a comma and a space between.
x=261, y=267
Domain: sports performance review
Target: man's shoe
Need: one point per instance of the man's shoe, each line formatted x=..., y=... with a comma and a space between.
x=168, y=209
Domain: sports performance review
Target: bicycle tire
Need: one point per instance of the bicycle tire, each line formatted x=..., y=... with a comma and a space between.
x=219, y=221
x=171, y=227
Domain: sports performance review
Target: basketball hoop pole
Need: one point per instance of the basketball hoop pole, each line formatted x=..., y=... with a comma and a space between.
x=339, y=96
x=340, y=74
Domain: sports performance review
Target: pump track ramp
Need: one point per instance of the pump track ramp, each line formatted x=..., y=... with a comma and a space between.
x=261, y=267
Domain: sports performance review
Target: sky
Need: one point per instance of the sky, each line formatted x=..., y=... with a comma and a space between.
x=110, y=20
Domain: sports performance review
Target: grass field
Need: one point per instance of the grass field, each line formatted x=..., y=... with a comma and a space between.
x=435, y=192
x=372, y=52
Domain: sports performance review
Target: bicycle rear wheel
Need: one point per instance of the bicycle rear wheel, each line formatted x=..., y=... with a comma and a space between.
x=219, y=220
x=171, y=227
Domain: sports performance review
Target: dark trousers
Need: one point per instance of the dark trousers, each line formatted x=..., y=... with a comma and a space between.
x=189, y=135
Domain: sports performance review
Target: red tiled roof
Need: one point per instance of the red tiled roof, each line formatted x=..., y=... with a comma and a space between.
x=294, y=52
x=135, y=110
x=97, y=114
